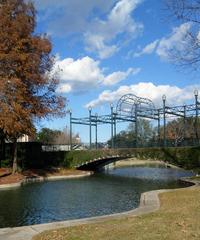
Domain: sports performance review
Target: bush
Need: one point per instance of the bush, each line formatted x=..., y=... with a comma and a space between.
x=30, y=155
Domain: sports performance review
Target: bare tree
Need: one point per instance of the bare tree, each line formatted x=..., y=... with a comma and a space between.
x=186, y=11
x=64, y=137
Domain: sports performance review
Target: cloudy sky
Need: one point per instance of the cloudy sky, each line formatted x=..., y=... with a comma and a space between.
x=106, y=49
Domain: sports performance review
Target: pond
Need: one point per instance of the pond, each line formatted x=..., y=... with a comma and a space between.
x=112, y=191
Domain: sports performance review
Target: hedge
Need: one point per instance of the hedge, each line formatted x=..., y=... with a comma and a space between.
x=30, y=155
x=185, y=157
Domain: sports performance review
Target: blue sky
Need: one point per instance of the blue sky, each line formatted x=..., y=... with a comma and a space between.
x=106, y=49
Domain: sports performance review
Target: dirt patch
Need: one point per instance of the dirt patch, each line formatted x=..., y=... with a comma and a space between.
x=4, y=172
x=6, y=177
x=11, y=178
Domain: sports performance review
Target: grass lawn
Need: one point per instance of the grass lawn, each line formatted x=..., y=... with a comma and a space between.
x=177, y=218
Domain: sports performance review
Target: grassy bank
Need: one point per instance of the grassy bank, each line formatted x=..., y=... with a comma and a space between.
x=177, y=219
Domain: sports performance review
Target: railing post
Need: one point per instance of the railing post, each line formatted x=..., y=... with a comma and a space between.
x=112, y=140
x=196, y=114
x=184, y=125
x=136, y=126
x=90, y=129
x=164, y=120
x=70, y=130
x=159, y=127
x=96, y=131
x=115, y=130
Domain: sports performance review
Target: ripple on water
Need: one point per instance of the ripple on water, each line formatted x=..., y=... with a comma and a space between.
x=113, y=191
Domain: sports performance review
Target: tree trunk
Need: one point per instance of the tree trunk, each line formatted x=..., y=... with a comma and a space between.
x=15, y=165
x=2, y=150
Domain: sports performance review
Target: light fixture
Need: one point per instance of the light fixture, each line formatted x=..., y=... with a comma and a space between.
x=164, y=97
x=195, y=92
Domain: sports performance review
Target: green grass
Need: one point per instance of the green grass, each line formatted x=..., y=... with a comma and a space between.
x=177, y=219
x=196, y=178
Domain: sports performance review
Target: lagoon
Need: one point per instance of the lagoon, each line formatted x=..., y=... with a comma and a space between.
x=112, y=191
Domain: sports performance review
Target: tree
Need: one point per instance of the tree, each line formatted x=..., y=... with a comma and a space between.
x=145, y=130
x=27, y=85
x=177, y=132
x=63, y=137
x=2, y=146
x=188, y=12
x=47, y=136
x=127, y=138
x=50, y=136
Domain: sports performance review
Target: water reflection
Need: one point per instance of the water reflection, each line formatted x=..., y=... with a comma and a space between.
x=113, y=191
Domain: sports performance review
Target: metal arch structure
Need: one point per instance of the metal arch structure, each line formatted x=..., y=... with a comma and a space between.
x=131, y=107
x=137, y=107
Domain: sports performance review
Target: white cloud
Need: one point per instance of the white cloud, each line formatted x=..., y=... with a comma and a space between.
x=116, y=77
x=148, y=90
x=65, y=17
x=148, y=49
x=95, y=43
x=176, y=41
x=99, y=38
x=99, y=24
x=85, y=74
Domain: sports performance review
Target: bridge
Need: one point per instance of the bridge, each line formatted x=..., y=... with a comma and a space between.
x=188, y=157
x=99, y=163
x=130, y=108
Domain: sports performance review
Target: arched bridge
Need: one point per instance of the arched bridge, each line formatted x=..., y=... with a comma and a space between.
x=99, y=163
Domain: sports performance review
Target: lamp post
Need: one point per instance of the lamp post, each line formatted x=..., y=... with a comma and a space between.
x=90, y=116
x=115, y=129
x=96, y=141
x=196, y=112
x=184, y=124
x=158, y=128
x=70, y=129
x=164, y=120
x=112, y=140
x=136, y=125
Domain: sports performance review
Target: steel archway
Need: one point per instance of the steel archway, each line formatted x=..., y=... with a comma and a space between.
x=132, y=105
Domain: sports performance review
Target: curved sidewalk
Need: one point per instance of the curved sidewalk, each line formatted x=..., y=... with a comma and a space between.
x=149, y=202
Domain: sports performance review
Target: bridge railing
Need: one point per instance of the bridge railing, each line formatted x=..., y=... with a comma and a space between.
x=191, y=142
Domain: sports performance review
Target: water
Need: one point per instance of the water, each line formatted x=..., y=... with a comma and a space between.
x=113, y=191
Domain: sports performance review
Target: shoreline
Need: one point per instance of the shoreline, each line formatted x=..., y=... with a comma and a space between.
x=141, y=162
x=34, y=179
x=121, y=163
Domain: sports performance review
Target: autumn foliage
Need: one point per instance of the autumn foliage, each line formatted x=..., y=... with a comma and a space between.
x=27, y=85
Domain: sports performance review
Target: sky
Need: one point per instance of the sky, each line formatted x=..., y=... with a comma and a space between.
x=106, y=49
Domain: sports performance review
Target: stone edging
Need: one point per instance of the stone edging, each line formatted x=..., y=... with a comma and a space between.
x=42, y=179
x=149, y=202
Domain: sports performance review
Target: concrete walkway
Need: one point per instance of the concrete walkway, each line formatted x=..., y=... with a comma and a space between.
x=149, y=202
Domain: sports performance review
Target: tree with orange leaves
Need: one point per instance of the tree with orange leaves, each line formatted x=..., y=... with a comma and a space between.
x=27, y=85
